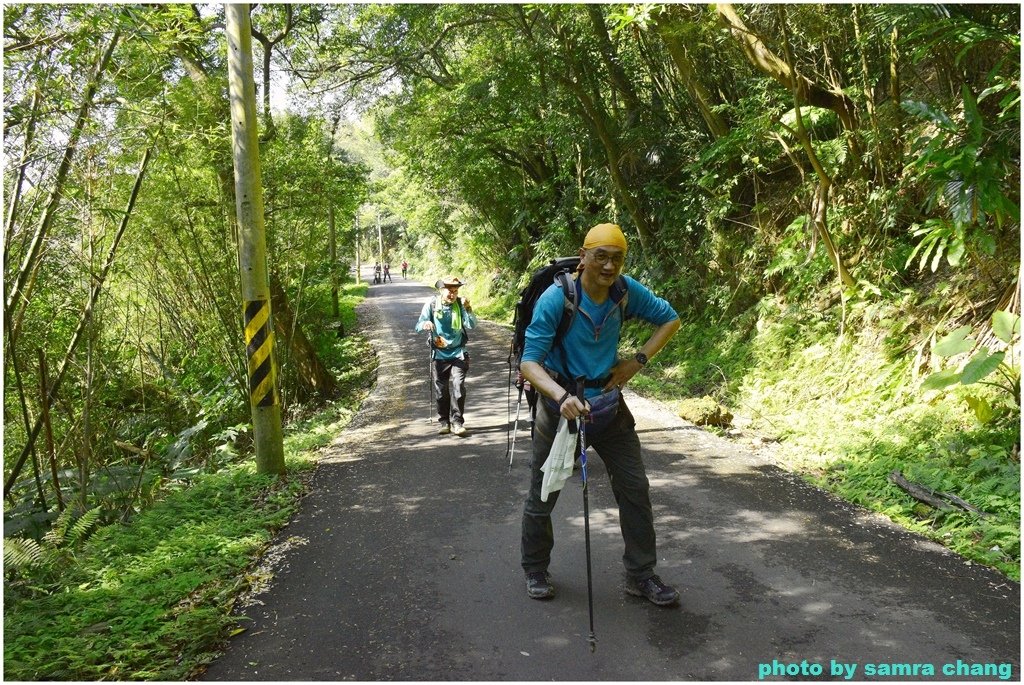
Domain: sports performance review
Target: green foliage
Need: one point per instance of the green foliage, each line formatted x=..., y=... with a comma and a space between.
x=1006, y=327
x=152, y=599
x=976, y=465
x=848, y=417
x=28, y=557
x=965, y=168
x=509, y=131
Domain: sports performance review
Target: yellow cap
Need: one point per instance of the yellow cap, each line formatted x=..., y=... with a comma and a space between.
x=605, y=235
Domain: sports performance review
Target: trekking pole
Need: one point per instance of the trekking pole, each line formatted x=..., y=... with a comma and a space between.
x=430, y=378
x=580, y=394
x=508, y=409
x=515, y=427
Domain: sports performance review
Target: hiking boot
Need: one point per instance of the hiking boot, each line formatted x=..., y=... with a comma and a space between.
x=445, y=429
x=538, y=585
x=458, y=429
x=653, y=589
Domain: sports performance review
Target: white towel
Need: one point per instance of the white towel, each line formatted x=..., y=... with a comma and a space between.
x=558, y=466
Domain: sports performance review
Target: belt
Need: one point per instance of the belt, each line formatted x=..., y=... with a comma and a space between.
x=597, y=383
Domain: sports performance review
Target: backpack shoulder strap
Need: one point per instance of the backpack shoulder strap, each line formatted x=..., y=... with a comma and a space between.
x=570, y=304
x=462, y=311
x=620, y=295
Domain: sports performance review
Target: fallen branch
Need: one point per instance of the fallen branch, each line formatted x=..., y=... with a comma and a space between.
x=942, y=501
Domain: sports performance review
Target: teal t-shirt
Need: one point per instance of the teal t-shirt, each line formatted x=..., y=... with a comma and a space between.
x=449, y=325
x=590, y=346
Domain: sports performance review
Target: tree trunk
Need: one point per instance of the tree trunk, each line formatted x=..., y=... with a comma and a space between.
x=612, y=63
x=12, y=360
x=819, y=207
x=252, y=251
x=680, y=56
x=380, y=243
x=895, y=96
x=601, y=122
x=766, y=61
x=12, y=210
x=819, y=217
x=44, y=382
x=869, y=100
x=359, y=263
x=333, y=245
x=599, y=118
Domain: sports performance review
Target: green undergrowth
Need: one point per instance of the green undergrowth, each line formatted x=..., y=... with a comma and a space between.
x=152, y=599
x=848, y=413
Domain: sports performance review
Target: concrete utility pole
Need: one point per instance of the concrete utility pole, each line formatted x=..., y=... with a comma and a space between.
x=380, y=241
x=359, y=263
x=252, y=246
x=333, y=245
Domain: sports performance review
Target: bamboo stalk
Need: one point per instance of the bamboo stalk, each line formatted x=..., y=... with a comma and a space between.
x=83, y=320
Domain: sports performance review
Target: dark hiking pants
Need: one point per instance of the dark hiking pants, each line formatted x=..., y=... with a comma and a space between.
x=619, y=449
x=449, y=376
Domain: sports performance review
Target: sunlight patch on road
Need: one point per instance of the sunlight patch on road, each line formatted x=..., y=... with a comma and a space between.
x=407, y=505
x=817, y=608
x=747, y=526
x=679, y=479
x=601, y=521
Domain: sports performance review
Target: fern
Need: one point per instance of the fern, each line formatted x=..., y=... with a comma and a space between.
x=55, y=536
x=22, y=553
x=83, y=526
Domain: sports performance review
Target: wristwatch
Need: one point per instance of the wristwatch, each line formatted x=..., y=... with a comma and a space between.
x=642, y=358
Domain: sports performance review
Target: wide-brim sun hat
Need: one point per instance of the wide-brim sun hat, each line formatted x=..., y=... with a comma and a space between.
x=450, y=281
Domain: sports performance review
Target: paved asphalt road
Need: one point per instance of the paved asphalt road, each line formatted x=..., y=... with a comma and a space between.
x=403, y=562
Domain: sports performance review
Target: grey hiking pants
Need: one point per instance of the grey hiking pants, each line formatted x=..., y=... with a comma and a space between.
x=449, y=377
x=619, y=449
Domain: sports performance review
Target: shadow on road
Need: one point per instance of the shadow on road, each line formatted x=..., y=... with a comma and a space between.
x=410, y=569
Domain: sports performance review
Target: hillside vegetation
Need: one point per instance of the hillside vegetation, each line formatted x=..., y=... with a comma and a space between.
x=828, y=195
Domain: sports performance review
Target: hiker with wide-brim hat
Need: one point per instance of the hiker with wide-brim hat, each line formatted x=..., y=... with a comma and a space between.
x=447, y=317
x=589, y=350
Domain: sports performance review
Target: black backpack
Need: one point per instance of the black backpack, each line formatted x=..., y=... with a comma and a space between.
x=559, y=271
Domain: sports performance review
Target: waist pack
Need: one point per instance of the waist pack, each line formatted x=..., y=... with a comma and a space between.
x=603, y=409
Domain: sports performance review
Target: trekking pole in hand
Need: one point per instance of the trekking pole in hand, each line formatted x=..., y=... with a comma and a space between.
x=580, y=388
x=515, y=427
x=430, y=377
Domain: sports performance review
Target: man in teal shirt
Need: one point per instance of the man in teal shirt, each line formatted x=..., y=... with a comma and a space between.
x=590, y=349
x=448, y=317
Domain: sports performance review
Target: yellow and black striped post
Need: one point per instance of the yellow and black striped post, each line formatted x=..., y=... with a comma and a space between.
x=259, y=345
x=252, y=245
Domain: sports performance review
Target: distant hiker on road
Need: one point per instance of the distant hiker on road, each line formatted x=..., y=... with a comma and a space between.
x=405, y=268
x=448, y=317
x=589, y=348
x=376, y=272
x=387, y=273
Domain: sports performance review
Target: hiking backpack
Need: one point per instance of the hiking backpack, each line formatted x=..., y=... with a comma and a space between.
x=559, y=271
